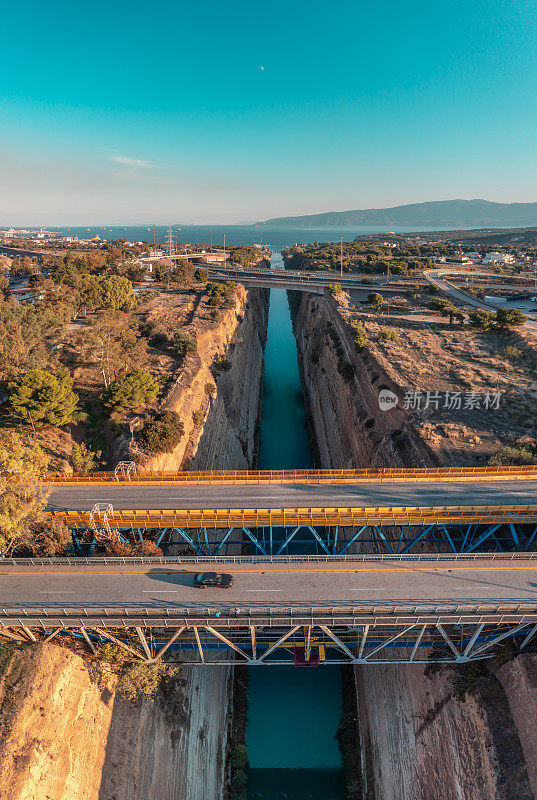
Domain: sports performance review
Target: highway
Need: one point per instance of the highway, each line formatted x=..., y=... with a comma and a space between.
x=436, y=277
x=304, y=281
x=294, y=495
x=268, y=587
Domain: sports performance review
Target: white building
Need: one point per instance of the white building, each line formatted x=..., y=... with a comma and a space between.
x=498, y=258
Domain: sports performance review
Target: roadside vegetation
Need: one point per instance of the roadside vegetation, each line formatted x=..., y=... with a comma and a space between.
x=136, y=679
x=88, y=359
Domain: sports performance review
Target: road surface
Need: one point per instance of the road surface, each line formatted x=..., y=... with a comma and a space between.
x=365, y=495
x=124, y=588
x=434, y=277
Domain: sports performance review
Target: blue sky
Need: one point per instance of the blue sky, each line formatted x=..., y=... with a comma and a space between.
x=127, y=112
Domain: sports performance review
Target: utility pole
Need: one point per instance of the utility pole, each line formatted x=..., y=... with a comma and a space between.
x=341, y=254
x=225, y=257
x=170, y=243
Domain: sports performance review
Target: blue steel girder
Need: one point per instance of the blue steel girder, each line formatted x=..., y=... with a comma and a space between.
x=308, y=539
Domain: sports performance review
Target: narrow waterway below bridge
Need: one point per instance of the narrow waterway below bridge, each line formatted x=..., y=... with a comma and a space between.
x=293, y=713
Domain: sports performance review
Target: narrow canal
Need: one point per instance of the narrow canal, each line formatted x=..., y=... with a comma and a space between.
x=293, y=713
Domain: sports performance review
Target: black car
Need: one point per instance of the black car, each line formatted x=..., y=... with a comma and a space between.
x=215, y=580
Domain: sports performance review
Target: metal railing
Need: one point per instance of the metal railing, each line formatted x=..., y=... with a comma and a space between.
x=291, y=517
x=352, y=558
x=251, y=615
x=313, y=476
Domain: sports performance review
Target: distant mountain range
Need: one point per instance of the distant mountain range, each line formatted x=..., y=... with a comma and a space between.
x=443, y=213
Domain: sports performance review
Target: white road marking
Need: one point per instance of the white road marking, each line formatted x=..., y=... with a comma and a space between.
x=262, y=590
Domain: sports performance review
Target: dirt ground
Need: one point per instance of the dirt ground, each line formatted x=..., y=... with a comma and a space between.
x=426, y=355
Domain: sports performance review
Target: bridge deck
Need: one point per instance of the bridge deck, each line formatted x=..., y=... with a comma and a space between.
x=217, y=505
x=494, y=585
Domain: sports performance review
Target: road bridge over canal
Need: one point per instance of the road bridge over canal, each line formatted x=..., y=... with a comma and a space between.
x=360, y=609
x=396, y=509
x=374, y=592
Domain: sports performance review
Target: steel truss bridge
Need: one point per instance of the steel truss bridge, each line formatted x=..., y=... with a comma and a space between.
x=266, y=513
x=330, y=566
x=467, y=605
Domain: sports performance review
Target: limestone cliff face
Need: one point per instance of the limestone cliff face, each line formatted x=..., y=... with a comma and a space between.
x=349, y=427
x=71, y=737
x=421, y=743
x=226, y=438
x=230, y=432
x=174, y=748
x=55, y=720
x=418, y=742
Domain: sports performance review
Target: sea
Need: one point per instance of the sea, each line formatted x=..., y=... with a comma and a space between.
x=275, y=238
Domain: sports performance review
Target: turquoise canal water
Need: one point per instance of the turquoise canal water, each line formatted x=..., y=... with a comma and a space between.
x=293, y=713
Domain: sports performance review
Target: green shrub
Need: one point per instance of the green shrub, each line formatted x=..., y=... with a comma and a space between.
x=510, y=317
x=360, y=336
x=482, y=320
x=198, y=417
x=162, y=433
x=183, y=344
x=375, y=299
x=512, y=353
x=83, y=459
x=466, y=678
x=334, y=289
x=344, y=368
x=130, y=392
x=517, y=455
x=210, y=389
x=201, y=274
x=43, y=398
x=389, y=335
x=140, y=679
x=222, y=364
x=112, y=653
x=239, y=779
x=219, y=292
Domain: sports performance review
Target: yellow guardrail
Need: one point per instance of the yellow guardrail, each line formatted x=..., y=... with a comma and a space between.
x=314, y=476
x=284, y=517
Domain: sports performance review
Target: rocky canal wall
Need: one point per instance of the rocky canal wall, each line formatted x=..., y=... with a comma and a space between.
x=341, y=389
x=419, y=739
x=68, y=735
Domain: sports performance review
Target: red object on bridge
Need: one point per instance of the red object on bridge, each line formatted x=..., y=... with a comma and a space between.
x=300, y=656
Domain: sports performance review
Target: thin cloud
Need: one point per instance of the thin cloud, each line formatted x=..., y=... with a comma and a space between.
x=130, y=162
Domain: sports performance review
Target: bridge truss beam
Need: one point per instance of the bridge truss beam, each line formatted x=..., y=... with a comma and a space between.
x=330, y=540
x=209, y=645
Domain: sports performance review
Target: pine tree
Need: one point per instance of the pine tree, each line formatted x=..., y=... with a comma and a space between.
x=130, y=392
x=43, y=398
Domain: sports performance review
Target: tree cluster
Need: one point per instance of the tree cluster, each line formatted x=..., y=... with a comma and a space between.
x=43, y=398
x=218, y=293
x=24, y=527
x=161, y=433
x=502, y=319
x=130, y=392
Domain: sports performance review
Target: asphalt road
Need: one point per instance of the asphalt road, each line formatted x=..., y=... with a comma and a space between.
x=434, y=277
x=365, y=495
x=275, y=586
